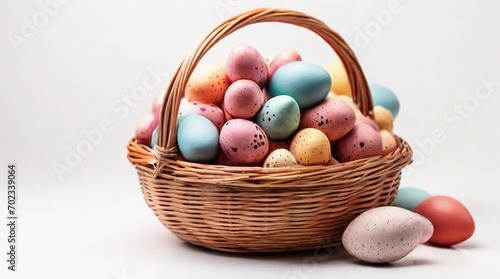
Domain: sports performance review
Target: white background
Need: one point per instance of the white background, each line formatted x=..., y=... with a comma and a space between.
x=70, y=73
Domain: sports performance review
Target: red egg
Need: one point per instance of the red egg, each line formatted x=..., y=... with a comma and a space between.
x=452, y=221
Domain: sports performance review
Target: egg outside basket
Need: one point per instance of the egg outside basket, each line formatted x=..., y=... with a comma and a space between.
x=254, y=209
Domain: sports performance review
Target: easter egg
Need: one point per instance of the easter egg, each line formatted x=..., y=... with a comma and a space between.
x=383, y=118
x=279, y=117
x=156, y=107
x=409, y=197
x=284, y=57
x=361, y=142
x=243, y=142
x=198, y=139
x=245, y=62
x=389, y=142
x=243, y=99
x=383, y=96
x=340, y=80
x=310, y=147
x=280, y=158
x=154, y=138
x=427, y=228
x=383, y=234
x=452, y=221
x=144, y=131
x=367, y=120
x=207, y=84
x=348, y=100
x=333, y=117
x=210, y=111
x=306, y=82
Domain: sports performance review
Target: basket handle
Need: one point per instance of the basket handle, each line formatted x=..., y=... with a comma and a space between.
x=167, y=132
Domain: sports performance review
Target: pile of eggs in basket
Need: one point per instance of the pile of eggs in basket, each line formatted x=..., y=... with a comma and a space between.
x=288, y=112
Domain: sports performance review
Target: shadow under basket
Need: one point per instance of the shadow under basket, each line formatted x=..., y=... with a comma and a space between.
x=255, y=209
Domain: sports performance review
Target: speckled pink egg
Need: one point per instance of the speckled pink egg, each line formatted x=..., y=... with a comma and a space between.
x=284, y=57
x=243, y=142
x=367, y=120
x=243, y=99
x=245, y=62
x=383, y=234
x=361, y=142
x=210, y=111
x=334, y=117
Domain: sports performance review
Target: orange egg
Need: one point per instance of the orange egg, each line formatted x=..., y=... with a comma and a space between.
x=452, y=221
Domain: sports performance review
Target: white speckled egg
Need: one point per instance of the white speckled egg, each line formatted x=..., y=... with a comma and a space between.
x=383, y=234
x=280, y=158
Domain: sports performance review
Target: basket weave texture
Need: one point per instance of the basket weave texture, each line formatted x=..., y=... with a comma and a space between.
x=255, y=209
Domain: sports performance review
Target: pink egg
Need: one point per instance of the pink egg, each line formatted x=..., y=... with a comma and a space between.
x=245, y=62
x=243, y=99
x=367, y=120
x=284, y=57
x=144, y=131
x=334, y=117
x=210, y=111
x=243, y=142
x=361, y=142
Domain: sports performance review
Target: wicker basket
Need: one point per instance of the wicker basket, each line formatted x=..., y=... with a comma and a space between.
x=254, y=209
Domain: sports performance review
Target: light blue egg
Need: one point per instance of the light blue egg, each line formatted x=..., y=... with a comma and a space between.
x=384, y=97
x=306, y=82
x=198, y=139
x=409, y=197
x=154, y=138
x=279, y=117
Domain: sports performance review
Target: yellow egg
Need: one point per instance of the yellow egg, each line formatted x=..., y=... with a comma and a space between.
x=310, y=147
x=207, y=84
x=389, y=142
x=340, y=81
x=383, y=118
x=280, y=158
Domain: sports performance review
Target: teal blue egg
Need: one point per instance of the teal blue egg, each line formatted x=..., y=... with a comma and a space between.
x=306, y=82
x=409, y=197
x=279, y=117
x=385, y=97
x=154, y=138
x=198, y=139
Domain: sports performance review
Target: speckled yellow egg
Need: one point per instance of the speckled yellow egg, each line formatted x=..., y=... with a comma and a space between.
x=383, y=118
x=207, y=84
x=280, y=158
x=311, y=147
x=389, y=142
